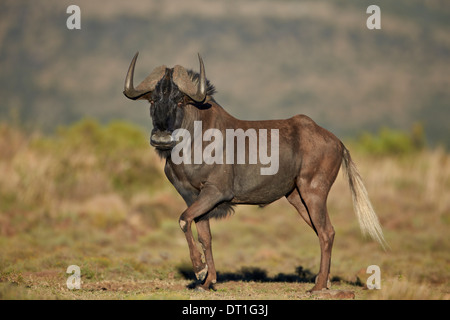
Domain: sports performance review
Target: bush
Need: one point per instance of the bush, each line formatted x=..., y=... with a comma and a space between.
x=118, y=149
x=392, y=142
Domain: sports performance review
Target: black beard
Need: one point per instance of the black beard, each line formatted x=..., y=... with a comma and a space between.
x=163, y=153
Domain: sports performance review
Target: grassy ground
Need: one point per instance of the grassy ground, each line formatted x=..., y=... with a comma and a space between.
x=95, y=196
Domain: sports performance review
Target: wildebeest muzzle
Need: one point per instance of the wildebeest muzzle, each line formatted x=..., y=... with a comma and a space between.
x=162, y=140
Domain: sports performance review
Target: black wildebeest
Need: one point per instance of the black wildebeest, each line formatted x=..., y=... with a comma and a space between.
x=310, y=159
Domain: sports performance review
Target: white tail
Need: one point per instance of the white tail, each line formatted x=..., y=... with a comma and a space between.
x=367, y=218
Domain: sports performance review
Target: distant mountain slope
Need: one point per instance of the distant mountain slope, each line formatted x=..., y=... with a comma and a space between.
x=268, y=59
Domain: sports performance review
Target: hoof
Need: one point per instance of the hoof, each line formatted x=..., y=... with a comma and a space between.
x=201, y=275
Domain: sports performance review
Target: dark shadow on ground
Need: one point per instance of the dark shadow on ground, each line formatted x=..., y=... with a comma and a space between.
x=256, y=274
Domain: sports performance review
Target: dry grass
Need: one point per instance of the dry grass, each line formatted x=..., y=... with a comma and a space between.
x=95, y=196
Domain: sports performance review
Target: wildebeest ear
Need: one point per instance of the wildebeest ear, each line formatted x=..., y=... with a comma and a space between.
x=196, y=90
x=145, y=86
x=149, y=83
x=183, y=81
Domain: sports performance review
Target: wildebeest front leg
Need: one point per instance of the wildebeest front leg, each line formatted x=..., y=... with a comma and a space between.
x=208, y=198
x=204, y=236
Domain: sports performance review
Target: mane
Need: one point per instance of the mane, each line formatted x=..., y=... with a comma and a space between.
x=195, y=76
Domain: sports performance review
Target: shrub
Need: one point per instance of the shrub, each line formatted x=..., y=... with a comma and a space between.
x=392, y=142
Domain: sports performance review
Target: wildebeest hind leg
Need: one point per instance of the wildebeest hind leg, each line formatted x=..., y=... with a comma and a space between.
x=315, y=201
x=296, y=201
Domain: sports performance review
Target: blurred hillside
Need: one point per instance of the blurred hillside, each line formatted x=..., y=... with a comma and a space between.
x=268, y=59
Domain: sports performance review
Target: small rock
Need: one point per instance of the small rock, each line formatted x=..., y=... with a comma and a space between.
x=334, y=294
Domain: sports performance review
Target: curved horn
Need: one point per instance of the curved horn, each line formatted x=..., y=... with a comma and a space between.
x=145, y=86
x=196, y=91
x=129, y=90
x=201, y=91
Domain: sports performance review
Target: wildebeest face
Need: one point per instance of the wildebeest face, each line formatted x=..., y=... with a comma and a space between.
x=166, y=102
x=167, y=89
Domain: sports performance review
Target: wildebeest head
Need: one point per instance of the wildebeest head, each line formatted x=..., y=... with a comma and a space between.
x=167, y=90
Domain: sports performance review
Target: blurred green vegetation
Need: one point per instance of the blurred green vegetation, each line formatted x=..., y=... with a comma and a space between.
x=117, y=149
x=388, y=142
